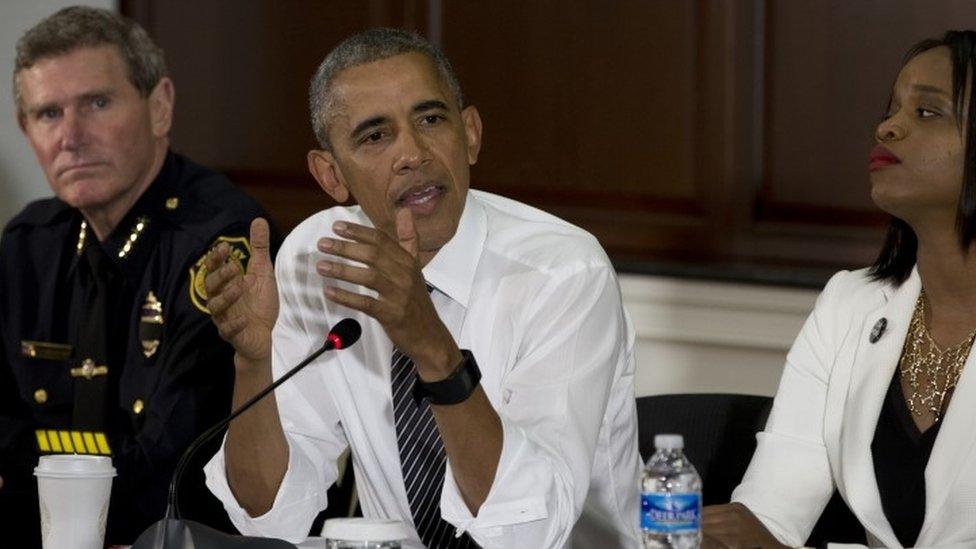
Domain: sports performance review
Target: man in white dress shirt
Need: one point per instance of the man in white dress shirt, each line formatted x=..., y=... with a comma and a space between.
x=490, y=401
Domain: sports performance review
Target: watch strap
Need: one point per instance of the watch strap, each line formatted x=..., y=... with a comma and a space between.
x=453, y=389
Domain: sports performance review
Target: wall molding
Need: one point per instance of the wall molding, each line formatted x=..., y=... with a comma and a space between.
x=715, y=313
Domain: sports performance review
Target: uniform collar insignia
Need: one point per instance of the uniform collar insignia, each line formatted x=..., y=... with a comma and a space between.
x=137, y=229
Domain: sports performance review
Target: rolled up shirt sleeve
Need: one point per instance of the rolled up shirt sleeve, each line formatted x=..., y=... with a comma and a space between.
x=297, y=502
x=553, y=404
x=311, y=426
x=789, y=482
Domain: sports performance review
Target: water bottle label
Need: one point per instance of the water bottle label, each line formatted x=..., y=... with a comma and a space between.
x=670, y=513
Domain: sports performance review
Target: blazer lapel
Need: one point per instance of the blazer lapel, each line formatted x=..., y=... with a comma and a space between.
x=874, y=366
x=952, y=451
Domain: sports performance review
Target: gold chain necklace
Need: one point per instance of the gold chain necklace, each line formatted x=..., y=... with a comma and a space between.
x=942, y=367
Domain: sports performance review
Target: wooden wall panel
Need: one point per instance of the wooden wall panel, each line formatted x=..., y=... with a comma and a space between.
x=242, y=70
x=830, y=66
x=821, y=79
x=596, y=114
x=708, y=137
x=565, y=89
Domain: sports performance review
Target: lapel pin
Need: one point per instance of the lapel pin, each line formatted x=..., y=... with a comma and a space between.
x=878, y=330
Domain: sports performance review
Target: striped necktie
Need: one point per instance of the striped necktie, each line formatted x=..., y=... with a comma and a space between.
x=422, y=459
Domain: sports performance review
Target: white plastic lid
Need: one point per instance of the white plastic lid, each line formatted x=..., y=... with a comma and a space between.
x=74, y=466
x=361, y=529
x=669, y=442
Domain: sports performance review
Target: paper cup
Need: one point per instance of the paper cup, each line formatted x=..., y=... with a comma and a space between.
x=361, y=533
x=74, y=493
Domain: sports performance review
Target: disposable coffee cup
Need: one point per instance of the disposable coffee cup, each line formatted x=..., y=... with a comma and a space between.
x=361, y=533
x=74, y=492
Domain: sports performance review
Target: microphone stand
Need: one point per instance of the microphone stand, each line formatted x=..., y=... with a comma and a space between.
x=172, y=532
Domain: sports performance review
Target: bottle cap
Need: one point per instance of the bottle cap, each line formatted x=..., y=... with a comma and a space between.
x=669, y=442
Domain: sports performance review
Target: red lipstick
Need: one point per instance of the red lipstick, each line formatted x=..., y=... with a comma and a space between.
x=881, y=157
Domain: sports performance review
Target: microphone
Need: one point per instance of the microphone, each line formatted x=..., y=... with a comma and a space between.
x=172, y=532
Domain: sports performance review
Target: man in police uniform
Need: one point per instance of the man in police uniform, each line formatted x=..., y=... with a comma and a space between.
x=106, y=345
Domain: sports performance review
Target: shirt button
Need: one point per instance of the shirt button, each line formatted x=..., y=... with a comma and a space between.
x=137, y=406
x=40, y=396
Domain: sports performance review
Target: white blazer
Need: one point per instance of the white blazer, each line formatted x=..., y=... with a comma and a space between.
x=819, y=432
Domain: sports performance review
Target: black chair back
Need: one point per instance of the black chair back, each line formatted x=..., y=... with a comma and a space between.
x=720, y=437
x=719, y=432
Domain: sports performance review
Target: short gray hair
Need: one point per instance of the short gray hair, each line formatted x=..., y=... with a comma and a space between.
x=79, y=27
x=366, y=47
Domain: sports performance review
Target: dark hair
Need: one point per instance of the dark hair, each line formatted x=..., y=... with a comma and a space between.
x=898, y=254
x=78, y=27
x=359, y=49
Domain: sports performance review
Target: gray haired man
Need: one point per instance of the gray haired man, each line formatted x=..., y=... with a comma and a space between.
x=490, y=400
x=106, y=344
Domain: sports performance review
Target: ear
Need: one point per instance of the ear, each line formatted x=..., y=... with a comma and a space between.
x=472, y=131
x=21, y=115
x=161, y=100
x=325, y=170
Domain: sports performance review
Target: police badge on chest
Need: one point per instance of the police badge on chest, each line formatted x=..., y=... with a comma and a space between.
x=151, y=325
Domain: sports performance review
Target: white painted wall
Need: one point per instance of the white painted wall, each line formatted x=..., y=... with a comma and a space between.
x=712, y=337
x=21, y=180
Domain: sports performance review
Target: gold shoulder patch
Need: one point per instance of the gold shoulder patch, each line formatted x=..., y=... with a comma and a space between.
x=240, y=252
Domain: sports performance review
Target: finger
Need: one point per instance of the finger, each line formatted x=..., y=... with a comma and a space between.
x=217, y=256
x=724, y=521
x=712, y=509
x=229, y=328
x=710, y=541
x=388, y=248
x=223, y=300
x=359, y=302
x=364, y=276
x=367, y=254
x=260, y=246
x=714, y=512
x=358, y=233
x=406, y=232
x=220, y=276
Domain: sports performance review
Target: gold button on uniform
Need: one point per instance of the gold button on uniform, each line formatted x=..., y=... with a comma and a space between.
x=137, y=406
x=172, y=203
x=40, y=396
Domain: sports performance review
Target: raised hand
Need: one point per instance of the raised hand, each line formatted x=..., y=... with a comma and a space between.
x=402, y=306
x=244, y=306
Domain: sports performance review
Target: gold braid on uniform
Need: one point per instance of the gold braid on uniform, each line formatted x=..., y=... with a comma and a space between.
x=942, y=368
x=125, y=248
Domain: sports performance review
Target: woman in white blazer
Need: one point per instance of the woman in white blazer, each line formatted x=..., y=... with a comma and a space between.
x=878, y=396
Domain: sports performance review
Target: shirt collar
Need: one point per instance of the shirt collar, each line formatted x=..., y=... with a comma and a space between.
x=137, y=227
x=452, y=270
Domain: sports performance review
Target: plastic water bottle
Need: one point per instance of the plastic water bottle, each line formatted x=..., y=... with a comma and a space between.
x=670, y=497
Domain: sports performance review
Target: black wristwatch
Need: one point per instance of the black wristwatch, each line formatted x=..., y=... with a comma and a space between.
x=455, y=388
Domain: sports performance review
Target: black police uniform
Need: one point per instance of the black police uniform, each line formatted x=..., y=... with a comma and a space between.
x=108, y=348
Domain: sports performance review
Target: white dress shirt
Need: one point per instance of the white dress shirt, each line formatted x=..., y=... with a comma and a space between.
x=536, y=301
x=818, y=436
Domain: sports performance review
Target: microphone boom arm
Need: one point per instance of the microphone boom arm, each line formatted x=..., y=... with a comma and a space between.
x=172, y=501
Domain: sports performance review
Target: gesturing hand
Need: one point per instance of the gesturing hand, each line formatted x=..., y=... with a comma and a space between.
x=244, y=306
x=402, y=306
